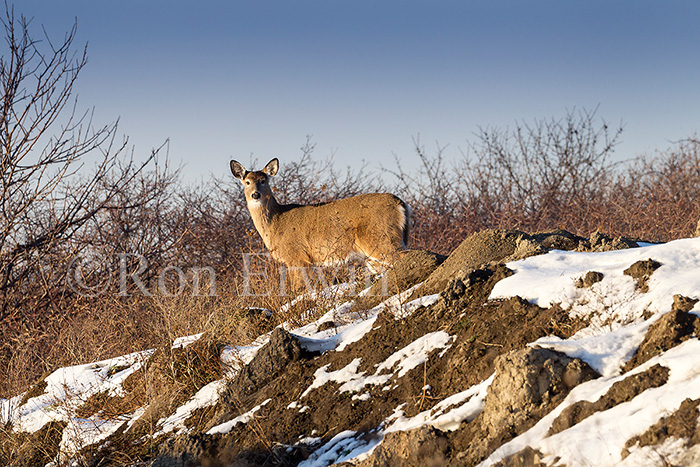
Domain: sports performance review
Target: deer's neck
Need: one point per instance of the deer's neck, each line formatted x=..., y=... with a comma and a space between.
x=263, y=215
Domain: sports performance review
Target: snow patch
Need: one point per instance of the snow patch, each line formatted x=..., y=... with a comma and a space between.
x=245, y=418
x=405, y=360
x=550, y=278
x=468, y=404
x=351, y=326
x=599, y=439
x=68, y=388
x=670, y=452
x=605, y=353
x=182, y=342
x=205, y=397
x=416, y=352
x=343, y=447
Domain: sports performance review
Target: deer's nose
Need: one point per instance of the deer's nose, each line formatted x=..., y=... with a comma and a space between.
x=255, y=195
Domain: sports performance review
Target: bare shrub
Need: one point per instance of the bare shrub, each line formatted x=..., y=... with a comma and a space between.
x=537, y=176
x=47, y=198
x=534, y=177
x=433, y=194
x=657, y=198
x=44, y=140
x=555, y=173
x=309, y=181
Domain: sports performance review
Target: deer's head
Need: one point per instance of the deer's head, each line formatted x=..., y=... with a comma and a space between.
x=256, y=185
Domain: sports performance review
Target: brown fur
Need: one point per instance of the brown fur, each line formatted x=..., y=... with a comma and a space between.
x=372, y=226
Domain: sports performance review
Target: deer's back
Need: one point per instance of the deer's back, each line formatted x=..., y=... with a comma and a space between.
x=332, y=231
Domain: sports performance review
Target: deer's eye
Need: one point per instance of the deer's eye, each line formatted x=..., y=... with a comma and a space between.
x=262, y=182
x=247, y=182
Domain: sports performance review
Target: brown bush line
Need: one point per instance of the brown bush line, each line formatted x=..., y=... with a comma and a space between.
x=557, y=181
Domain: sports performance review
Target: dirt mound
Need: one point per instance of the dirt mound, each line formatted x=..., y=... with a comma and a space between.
x=670, y=330
x=185, y=451
x=558, y=239
x=412, y=267
x=681, y=303
x=481, y=329
x=492, y=246
x=289, y=416
x=528, y=457
x=267, y=364
x=487, y=329
x=528, y=382
x=621, y=391
x=422, y=447
x=485, y=247
x=590, y=278
x=598, y=241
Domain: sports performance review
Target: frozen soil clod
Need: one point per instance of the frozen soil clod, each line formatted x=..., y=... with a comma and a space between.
x=667, y=332
x=529, y=384
x=588, y=279
x=681, y=424
x=620, y=392
x=641, y=271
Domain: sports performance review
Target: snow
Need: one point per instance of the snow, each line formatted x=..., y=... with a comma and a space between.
x=236, y=357
x=352, y=333
x=245, y=418
x=614, y=301
x=469, y=404
x=205, y=397
x=416, y=352
x=599, y=439
x=615, y=309
x=322, y=376
x=605, y=353
x=404, y=359
x=82, y=432
x=362, y=397
x=352, y=326
x=68, y=388
x=670, y=452
x=182, y=342
x=341, y=448
x=349, y=446
x=410, y=308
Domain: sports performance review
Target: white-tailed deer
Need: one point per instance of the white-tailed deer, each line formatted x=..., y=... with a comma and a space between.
x=371, y=227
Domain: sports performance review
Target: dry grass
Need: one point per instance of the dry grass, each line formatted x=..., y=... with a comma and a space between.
x=22, y=449
x=168, y=378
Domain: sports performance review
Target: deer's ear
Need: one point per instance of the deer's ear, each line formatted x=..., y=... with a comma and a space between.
x=238, y=170
x=272, y=167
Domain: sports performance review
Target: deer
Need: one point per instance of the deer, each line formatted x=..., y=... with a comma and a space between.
x=371, y=227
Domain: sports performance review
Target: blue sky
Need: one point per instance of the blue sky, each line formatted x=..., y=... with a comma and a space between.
x=227, y=79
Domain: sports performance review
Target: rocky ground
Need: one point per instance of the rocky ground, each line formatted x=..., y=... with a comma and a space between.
x=450, y=371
